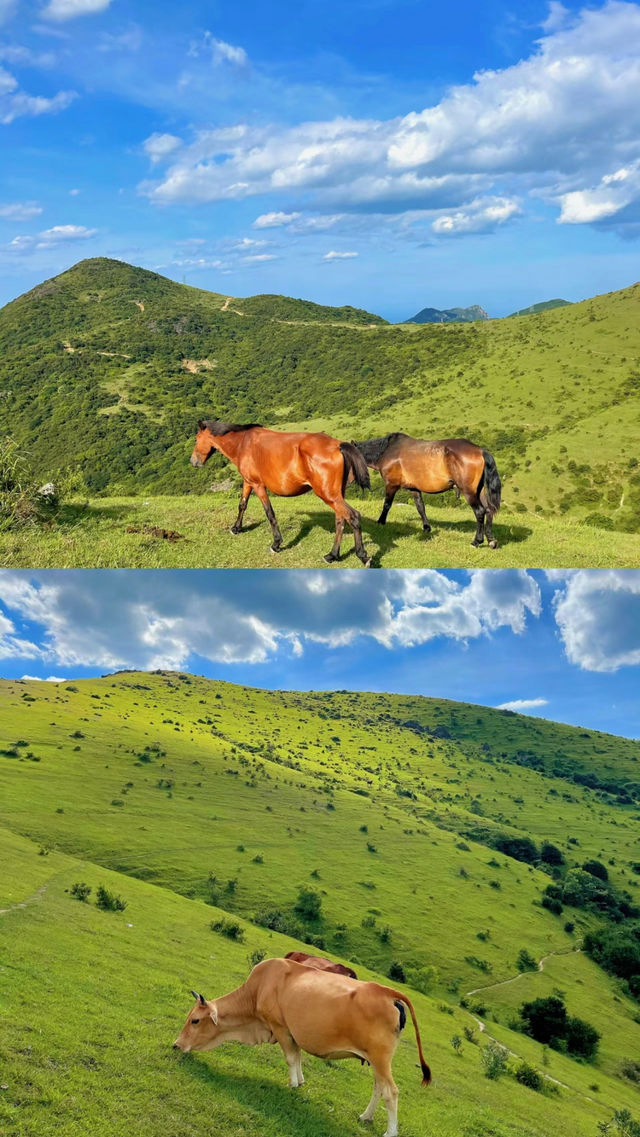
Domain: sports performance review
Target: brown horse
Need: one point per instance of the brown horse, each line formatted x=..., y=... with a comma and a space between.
x=433, y=467
x=286, y=464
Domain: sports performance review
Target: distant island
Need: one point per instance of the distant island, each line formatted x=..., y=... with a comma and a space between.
x=449, y=315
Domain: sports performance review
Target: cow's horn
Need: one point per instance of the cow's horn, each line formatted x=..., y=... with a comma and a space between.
x=203, y=1001
x=195, y=994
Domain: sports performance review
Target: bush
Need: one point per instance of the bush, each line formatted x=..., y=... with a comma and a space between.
x=396, y=972
x=256, y=957
x=494, y=1060
x=582, y=1038
x=456, y=1042
x=527, y=1075
x=81, y=891
x=229, y=928
x=525, y=961
x=108, y=901
x=308, y=904
x=422, y=979
x=545, y=1019
x=596, y=868
x=551, y=854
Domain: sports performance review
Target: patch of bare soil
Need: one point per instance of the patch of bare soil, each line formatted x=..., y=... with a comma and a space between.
x=196, y=365
x=156, y=531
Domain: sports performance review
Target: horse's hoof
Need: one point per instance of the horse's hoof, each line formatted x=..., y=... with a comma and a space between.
x=426, y=528
x=275, y=548
x=493, y=544
x=381, y=521
x=234, y=530
x=476, y=544
x=367, y=563
x=330, y=558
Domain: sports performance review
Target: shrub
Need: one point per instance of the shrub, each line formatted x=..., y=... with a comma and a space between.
x=494, y=1060
x=551, y=854
x=229, y=928
x=308, y=904
x=456, y=1042
x=422, y=979
x=525, y=961
x=545, y=1019
x=108, y=901
x=396, y=971
x=469, y=1033
x=81, y=891
x=527, y=1075
x=582, y=1038
x=256, y=957
x=597, y=869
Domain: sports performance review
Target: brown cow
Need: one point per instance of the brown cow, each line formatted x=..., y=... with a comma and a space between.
x=320, y=964
x=324, y=1014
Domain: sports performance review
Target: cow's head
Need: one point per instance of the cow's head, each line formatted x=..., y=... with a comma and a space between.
x=204, y=446
x=201, y=1030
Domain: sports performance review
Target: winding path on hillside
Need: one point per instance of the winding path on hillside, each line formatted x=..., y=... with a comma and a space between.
x=37, y=895
x=482, y=1027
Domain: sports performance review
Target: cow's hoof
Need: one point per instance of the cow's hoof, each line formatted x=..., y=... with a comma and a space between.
x=275, y=548
x=365, y=1120
x=493, y=544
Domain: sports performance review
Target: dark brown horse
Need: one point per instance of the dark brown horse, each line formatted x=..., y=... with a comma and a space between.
x=432, y=467
x=273, y=461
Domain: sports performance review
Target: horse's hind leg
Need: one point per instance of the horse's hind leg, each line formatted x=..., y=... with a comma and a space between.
x=419, y=500
x=390, y=493
x=488, y=528
x=261, y=493
x=356, y=525
x=246, y=494
x=334, y=555
x=480, y=513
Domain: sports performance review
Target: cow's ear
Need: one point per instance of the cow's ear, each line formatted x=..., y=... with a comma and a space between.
x=214, y=1015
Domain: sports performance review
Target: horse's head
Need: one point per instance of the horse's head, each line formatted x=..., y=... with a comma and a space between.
x=204, y=446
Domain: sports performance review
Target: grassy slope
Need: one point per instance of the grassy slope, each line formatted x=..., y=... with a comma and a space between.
x=93, y=534
x=95, y=999
x=115, y=995
x=542, y=391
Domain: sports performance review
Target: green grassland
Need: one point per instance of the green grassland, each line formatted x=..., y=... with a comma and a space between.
x=94, y=533
x=105, y=370
x=196, y=799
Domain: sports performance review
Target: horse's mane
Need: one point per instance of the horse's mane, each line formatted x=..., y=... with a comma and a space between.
x=220, y=428
x=373, y=450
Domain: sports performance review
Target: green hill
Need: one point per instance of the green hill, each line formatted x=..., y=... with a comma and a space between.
x=105, y=370
x=198, y=801
x=542, y=306
x=449, y=315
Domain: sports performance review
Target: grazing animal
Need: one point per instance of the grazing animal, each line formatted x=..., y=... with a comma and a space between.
x=288, y=464
x=433, y=467
x=320, y=964
x=324, y=1014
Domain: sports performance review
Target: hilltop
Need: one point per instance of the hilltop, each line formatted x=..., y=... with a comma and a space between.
x=411, y=819
x=449, y=315
x=114, y=365
x=542, y=306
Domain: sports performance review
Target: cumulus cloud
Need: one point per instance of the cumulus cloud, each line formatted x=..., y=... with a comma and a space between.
x=15, y=103
x=20, y=210
x=45, y=679
x=166, y=619
x=49, y=238
x=598, y=615
x=522, y=705
x=272, y=220
x=12, y=644
x=159, y=146
x=481, y=216
x=336, y=256
x=69, y=9
x=556, y=124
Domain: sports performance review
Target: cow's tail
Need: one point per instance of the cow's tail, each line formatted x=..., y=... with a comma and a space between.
x=355, y=464
x=426, y=1072
x=492, y=486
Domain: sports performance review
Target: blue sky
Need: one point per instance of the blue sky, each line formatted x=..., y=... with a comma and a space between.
x=562, y=645
x=391, y=154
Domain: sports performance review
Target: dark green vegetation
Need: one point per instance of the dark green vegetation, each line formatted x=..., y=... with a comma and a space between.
x=449, y=315
x=542, y=306
x=405, y=836
x=105, y=370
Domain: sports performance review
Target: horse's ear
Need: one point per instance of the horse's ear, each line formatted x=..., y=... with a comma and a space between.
x=201, y=425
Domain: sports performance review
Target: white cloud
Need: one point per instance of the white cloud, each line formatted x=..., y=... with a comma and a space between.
x=48, y=238
x=522, y=704
x=272, y=220
x=20, y=210
x=598, y=614
x=12, y=645
x=47, y=679
x=163, y=619
x=256, y=257
x=554, y=124
x=336, y=256
x=159, y=146
x=481, y=216
x=614, y=192
x=227, y=53
x=15, y=103
x=69, y=9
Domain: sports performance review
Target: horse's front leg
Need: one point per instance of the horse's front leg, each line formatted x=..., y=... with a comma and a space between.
x=390, y=493
x=246, y=494
x=261, y=493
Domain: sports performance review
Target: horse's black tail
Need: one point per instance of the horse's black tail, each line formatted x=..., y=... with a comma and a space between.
x=492, y=488
x=355, y=464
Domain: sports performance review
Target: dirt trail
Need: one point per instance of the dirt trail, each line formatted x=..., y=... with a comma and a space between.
x=226, y=308
x=512, y=1053
x=30, y=900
